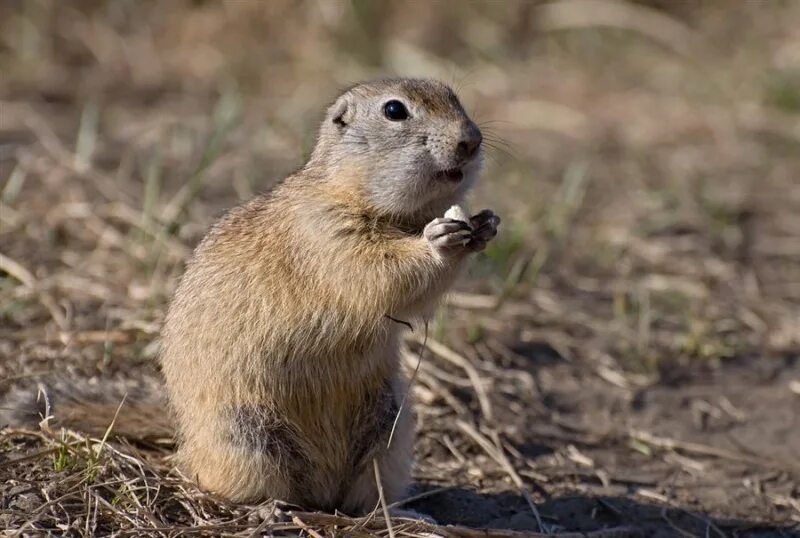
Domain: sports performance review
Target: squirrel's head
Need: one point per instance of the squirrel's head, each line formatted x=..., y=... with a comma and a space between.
x=411, y=141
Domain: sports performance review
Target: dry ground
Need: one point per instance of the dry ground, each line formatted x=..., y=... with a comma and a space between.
x=626, y=355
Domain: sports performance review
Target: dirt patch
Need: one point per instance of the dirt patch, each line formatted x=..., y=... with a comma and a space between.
x=664, y=459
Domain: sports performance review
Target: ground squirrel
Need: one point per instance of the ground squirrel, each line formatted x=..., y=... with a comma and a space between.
x=280, y=349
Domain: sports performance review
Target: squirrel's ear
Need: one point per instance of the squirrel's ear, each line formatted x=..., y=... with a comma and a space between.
x=341, y=112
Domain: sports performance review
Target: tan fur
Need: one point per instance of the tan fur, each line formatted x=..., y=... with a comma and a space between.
x=280, y=328
x=280, y=356
x=284, y=307
x=276, y=310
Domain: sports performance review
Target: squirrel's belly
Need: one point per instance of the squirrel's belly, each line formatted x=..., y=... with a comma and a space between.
x=344, y=452
x=321, y=450
x=325, y=430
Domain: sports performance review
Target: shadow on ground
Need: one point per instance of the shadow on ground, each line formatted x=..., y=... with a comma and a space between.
x=467, y=507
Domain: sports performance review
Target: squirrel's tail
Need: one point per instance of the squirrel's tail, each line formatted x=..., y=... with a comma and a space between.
x=138, y=410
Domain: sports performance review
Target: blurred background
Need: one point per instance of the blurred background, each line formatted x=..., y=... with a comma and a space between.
x=640, y=152
x=644, y=155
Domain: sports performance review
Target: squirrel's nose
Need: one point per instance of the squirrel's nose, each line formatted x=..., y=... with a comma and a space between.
x=471, y=139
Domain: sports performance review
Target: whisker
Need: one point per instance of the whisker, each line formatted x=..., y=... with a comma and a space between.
x=505, y=151
x=498, y=156
x=493, y=159
x=490, y=134
x=500, y=144
x=493, y=138
x=461, y=83
x=491, y=122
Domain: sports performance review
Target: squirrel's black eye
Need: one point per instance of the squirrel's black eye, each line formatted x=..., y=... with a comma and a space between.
x=395, y=111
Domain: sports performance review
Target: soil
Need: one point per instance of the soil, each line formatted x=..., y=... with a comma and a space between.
x=742, y=412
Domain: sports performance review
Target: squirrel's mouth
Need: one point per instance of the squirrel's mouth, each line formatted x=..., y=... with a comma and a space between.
x=451, y=174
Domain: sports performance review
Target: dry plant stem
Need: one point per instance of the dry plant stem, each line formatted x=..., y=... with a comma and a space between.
x=299, y=522
x=497, y=453
x=706, y=450
x=475, y=378
x=408, y=388
x=382, y=497
x=419, y=496
x=572, y=14
x=27, y=279
x=257, y=531
x=110, y=426
x=116, y=336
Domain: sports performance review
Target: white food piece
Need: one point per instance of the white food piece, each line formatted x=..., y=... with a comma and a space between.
x=457, y=212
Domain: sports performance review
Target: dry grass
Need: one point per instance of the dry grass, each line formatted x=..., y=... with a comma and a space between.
x=645, y=161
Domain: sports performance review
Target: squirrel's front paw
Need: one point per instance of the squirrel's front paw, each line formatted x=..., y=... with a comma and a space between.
x=447, y=235
x=484, y=226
